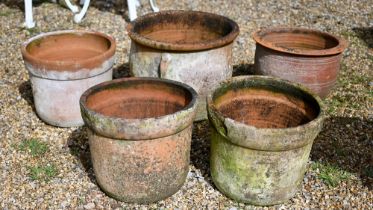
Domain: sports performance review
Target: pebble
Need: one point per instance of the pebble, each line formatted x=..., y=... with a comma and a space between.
x=89, y=206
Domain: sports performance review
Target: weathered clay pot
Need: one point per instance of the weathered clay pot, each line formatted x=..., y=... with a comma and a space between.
x=305, y=56
x=187, y=46
x=62, y=65
x=140, y=135
x=262, y=133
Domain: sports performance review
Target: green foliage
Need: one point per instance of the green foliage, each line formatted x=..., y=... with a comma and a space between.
x=331, y=175
x=32, y=31
x=5, y=13
x=34, y=146
x=41, y=173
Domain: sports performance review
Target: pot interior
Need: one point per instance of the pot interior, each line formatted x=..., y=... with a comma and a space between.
x=266, y=106
x=68, y=47
x=139, y=99
x=299, y=39
x=183, y=27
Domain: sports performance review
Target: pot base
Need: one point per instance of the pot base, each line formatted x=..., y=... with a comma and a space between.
x=256, y=177
x=57, y=102
x=141, y=171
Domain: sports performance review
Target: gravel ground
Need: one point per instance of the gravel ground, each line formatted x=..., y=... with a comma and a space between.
x=340, y=172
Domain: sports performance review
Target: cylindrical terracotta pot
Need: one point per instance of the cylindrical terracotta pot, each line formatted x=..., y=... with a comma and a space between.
x=305, y=56
x=262, y=133
x=140, y=136
x=187, y=46
x=62, y=65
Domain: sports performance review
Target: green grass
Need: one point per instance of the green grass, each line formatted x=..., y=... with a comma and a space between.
x=43, y=173
x=5, y=13
x=34, y=146
x=333, y=106
x=370, y=57
x=370, y=92
x=32, y=31
x=368, y=171
x=348, y=33
x=81, y=200
x=348, y=77
x=74, y=151
x=37, y=148
x=331, y=175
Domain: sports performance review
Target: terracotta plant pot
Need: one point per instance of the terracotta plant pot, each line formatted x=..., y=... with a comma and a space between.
x=187, y=46
x=262, y=133
x=140, y=136
x=305, y=56
x=62, y=65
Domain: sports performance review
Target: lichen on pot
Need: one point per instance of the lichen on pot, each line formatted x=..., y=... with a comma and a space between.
x=140, y=136
x=262, y=133
x=62, y=65
x=187, y=46
x=305, y=56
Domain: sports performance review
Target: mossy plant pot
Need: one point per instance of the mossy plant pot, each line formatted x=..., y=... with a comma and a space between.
x=262, y=133
x=62, y=65
x=140, y=136
x=304, y=56
x=187, y=46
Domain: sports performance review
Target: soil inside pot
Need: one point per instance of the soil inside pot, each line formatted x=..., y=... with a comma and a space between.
x=68, y=47
x=300, y=40
x=266, y=109
x=183, y=28
x=182, y=36
x=138, y=101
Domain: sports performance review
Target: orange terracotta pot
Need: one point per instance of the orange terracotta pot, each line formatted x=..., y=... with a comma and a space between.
x=140, y=136
x=62, y=65
x=304, y=56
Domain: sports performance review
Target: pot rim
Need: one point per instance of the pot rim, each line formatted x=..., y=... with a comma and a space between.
x=196, y=46
x=68, y=65
x=132, y=129
x=259, y=34
x=218, y=120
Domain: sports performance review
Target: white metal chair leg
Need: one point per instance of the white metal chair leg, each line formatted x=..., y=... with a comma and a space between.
x=154, y=5
x=137, y=3
x=72, y=7
x=78, y=17
x=29, y=21
x=132, y=9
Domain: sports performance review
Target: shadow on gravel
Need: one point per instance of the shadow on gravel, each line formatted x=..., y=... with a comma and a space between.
x=200, y=151
x=21, y=5
x=25, y=90
x=16, y=4
x=118, y=7
x=243, y=69
x=121, y=71
x=238, y=70
x=348, y=144
x=79, y=147
x=365, y=34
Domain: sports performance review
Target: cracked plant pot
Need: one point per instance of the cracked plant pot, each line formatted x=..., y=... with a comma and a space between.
x=262, y=133
x=140, y=136
x=305, y=56
x=62, y=65
x=187, y=46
